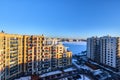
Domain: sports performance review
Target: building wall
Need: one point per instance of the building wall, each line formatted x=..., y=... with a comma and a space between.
x=46, y=58
x=33, y=46
x=108, y=51
x=2, y=59
x=88, y=48
x=54, y=58
x=93, y=49
x=118, y=54
x=11, y=55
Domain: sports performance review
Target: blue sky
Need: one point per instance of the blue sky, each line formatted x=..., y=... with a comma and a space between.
x=61, y=18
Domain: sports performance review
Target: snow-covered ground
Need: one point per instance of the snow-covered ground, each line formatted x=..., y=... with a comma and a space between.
x=75, y=47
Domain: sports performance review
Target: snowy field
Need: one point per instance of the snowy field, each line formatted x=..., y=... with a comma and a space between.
x=75, y=47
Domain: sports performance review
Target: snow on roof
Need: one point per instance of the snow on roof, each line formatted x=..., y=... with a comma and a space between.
x=96, y=72
x=83, y=77
x=24, y=78
x=86, y=67
x=74, y=60
x=51, y=73
x=81, y=66
x=69, y=69
x=103, y=67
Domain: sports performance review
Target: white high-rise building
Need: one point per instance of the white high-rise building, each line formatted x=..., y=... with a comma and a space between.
x=105, y=50
x=92, y=49
x=109, y=51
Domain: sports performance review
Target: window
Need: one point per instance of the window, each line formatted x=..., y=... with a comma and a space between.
x=64, y=55
x=30, y=70
x=60, y=47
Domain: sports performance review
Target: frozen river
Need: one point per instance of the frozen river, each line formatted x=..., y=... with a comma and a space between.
x=75, y=47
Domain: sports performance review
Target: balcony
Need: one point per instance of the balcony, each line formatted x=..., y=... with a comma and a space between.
x=29, y=54
x=13, y=51
x=29, y=61
x=29, y=48
x=14, y=48
x=54, y=50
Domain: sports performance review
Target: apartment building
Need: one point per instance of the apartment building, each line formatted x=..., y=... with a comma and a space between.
x=93, y=50
x=32, y=54
x=22, y=55
x=63, y=56
x=57, y=55
x=2, y=59
x=46, y=58
x=11, y=56
x=108, y=50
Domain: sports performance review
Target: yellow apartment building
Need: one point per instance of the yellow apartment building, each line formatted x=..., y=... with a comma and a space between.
x=22, y=55
x=57, y=55
x=32, y=53
x=12, y=50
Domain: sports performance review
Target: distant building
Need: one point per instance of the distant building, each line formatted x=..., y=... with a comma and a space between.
x=108, y=51
x=70, y=40
x=50, y=41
